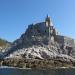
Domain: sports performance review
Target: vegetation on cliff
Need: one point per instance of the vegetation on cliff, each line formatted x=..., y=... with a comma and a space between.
x=37, y=64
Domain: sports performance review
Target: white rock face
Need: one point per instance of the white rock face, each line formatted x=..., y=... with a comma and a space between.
x=40, y=53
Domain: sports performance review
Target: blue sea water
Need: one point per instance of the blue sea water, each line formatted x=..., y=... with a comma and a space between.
x=16, y=71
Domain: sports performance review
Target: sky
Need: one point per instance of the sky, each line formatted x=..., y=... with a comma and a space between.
x=16, y=15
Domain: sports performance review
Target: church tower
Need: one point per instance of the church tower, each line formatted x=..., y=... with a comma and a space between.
x=47, y=20
x=51, y=29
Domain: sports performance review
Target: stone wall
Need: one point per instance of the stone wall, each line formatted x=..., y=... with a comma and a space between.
x=66, y=41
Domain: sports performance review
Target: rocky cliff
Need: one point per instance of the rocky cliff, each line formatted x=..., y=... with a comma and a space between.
x=33, y=44
x=36, y=43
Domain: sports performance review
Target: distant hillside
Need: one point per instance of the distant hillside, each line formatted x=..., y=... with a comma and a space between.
x=4, y=44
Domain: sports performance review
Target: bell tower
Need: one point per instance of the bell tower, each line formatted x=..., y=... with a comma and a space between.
x=51, y=30
x=47, y=20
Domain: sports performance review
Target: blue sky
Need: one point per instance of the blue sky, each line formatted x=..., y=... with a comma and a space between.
x=16, y=15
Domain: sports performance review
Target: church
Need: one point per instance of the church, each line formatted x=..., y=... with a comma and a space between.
x=46, y=32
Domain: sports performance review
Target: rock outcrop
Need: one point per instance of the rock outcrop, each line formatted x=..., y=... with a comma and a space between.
x=34, y=43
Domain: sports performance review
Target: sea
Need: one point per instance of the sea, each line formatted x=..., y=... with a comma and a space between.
x=20, y=71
